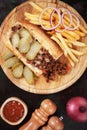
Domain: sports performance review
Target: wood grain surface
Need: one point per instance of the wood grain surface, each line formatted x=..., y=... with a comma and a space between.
x=62, y=82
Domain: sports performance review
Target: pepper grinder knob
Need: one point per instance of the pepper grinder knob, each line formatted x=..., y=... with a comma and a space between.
x=48, y=106
x=54, y=123
x=40, y=116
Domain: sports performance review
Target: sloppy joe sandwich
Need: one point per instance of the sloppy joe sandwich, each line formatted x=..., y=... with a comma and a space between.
x=48, y=45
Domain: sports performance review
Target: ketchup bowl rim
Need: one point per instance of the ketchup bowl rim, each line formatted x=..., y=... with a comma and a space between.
x=18, y=100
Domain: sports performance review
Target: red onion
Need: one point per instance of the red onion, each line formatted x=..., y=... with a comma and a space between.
x=40, y=18
x=78, y=22
x=60, y=16
x=51, y=15
x=76, y=109
x=66, y=12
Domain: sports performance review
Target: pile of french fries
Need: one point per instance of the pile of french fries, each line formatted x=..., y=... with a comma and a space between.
x=69, y=41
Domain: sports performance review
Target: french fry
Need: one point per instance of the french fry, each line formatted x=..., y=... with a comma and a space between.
x=45, y=23
x=81, y=34
x=29, y=16
x=77, y=53
x=74, y=24
x=34, y=22
x=72, y=56
x=59, y=43
x=75, y=43
x=34, y=5
x=70, y=61
x=35, y=16
x=79, y=44
x=56, y=17
x=80, y=27
x=68, y=43
x=35, y=19
x=73, y=34
x=65, y=39
x=67, y=36
x=68, y=20
x=65, y=52
x=83, y=29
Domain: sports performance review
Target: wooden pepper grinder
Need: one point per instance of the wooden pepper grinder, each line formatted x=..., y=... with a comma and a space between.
x=40, y=115
x=54, y=123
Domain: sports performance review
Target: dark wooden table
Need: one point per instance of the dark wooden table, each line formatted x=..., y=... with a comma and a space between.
x=8, y=89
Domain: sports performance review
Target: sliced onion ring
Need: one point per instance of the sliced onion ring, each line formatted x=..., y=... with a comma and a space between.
x=61, y=16
x=66, y=12
x=51, y=15
x=78, y=22
x=40, y=18
x=71, y=21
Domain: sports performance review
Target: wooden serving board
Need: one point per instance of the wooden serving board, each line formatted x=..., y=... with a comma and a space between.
x=62, y=82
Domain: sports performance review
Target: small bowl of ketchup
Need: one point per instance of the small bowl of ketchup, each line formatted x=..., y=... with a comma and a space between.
x=13, y=111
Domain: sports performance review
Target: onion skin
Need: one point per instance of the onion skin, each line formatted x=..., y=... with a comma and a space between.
x=76, y=109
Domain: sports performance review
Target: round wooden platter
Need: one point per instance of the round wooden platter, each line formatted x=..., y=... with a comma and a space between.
x=41, y=87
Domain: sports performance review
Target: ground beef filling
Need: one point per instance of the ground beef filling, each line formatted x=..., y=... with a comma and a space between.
x=48, y=65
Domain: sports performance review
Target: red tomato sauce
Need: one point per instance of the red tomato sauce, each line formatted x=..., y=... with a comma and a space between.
x=13, y=111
